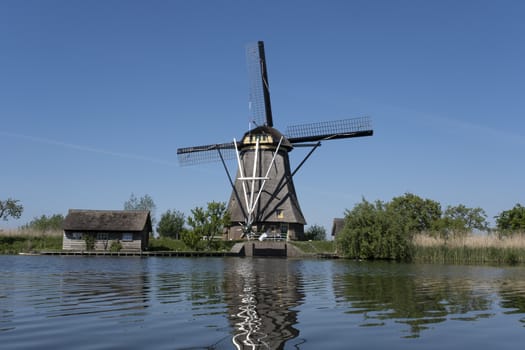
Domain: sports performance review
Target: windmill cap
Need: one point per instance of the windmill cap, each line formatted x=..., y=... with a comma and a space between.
x=267, y=136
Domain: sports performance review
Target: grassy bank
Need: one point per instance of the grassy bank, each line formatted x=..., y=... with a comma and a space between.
x=168, y=244
x=26, y=241
x=471, y=249
x=315, y=247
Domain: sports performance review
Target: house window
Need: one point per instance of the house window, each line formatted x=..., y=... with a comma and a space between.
x=127, y=237
x=279, y=213
x=76, y=235
x=284, y=228
x=102, y=236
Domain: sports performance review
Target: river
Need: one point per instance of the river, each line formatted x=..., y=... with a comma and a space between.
x=50, y=302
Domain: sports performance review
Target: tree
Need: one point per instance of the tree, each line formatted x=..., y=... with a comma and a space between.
x=209, y=222
x=462, y=219
x=422, y=214
x=46, y=223
x=10, y=208
x=315, y=233
x=171, y=224
x=143, y=203
x=511, y=220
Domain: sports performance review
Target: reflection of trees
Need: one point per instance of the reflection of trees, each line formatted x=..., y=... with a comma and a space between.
x=90, y=293
x=417, y=301
x=200, y=288
x=262, y=294
x=512, y=294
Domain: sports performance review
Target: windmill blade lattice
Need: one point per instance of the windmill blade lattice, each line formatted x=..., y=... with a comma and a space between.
x=259, y=90
x=330, y=130
x=206, y=154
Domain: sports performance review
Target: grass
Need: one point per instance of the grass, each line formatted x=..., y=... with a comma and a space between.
x=26, y=241
x=315, y=247
x=169, y=244
x=470, y=249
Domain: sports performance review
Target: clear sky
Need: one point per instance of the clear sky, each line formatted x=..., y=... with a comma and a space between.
x=96, y=97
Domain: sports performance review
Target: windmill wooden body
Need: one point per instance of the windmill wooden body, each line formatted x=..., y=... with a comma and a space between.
x=263, y=198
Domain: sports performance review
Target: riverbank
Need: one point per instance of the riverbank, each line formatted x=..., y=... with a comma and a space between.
x=470, y=249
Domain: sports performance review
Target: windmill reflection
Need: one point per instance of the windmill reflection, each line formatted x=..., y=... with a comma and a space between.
x=263, y=305
x=250, y=335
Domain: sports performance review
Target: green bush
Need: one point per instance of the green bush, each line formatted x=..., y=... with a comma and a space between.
x=115, y=246
x=90, y=241
x=170, y=244
x=374, y=231
x=191, y=239
x=166, y=244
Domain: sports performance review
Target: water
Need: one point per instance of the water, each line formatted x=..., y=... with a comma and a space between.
x=236, y=303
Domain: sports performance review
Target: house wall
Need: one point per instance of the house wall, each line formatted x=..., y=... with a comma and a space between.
x=131, y=241
x=71, y=243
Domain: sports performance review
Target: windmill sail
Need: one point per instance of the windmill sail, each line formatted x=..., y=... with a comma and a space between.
x=331, y=130
x=259, y=99
x=205, y=154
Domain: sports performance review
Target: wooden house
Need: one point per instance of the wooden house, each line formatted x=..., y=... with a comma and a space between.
x=126, y=230
x=337, y=226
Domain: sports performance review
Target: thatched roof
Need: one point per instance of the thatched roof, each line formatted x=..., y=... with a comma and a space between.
x=337, y=226
x=108, y=220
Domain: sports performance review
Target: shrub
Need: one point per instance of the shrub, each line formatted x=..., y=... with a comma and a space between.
x=115, y=246
x=375, y=231
x=90, y=241
x=191, y=239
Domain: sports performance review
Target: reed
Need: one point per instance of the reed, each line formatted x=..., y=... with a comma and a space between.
x=29, y=232
x=470, y=249
x=16, y=241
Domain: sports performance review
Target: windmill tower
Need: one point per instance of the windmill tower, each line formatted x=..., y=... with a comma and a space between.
x=263, y=195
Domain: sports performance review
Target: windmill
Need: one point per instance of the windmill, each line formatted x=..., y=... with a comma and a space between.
x=263, y=195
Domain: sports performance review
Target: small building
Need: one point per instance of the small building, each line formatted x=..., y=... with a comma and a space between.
x=104, y=230
x=337, y=226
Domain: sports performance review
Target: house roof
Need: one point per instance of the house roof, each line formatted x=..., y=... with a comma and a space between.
x=337, y=226
x=107, y=220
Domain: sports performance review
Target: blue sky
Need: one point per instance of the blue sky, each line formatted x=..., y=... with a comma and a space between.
x=96, y=97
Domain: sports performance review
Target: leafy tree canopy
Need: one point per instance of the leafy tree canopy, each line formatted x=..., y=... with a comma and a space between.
x=513, y=219
x=143, y=203
x=171, y=224
x=209, y=222
x=422, y=214
x=315, y=233
x=463, y=219
x=10, y=208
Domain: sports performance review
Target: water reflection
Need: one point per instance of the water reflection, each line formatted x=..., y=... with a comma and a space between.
x=422, y=296
x=113, y=293
x=232, y=303
x=263, y=295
